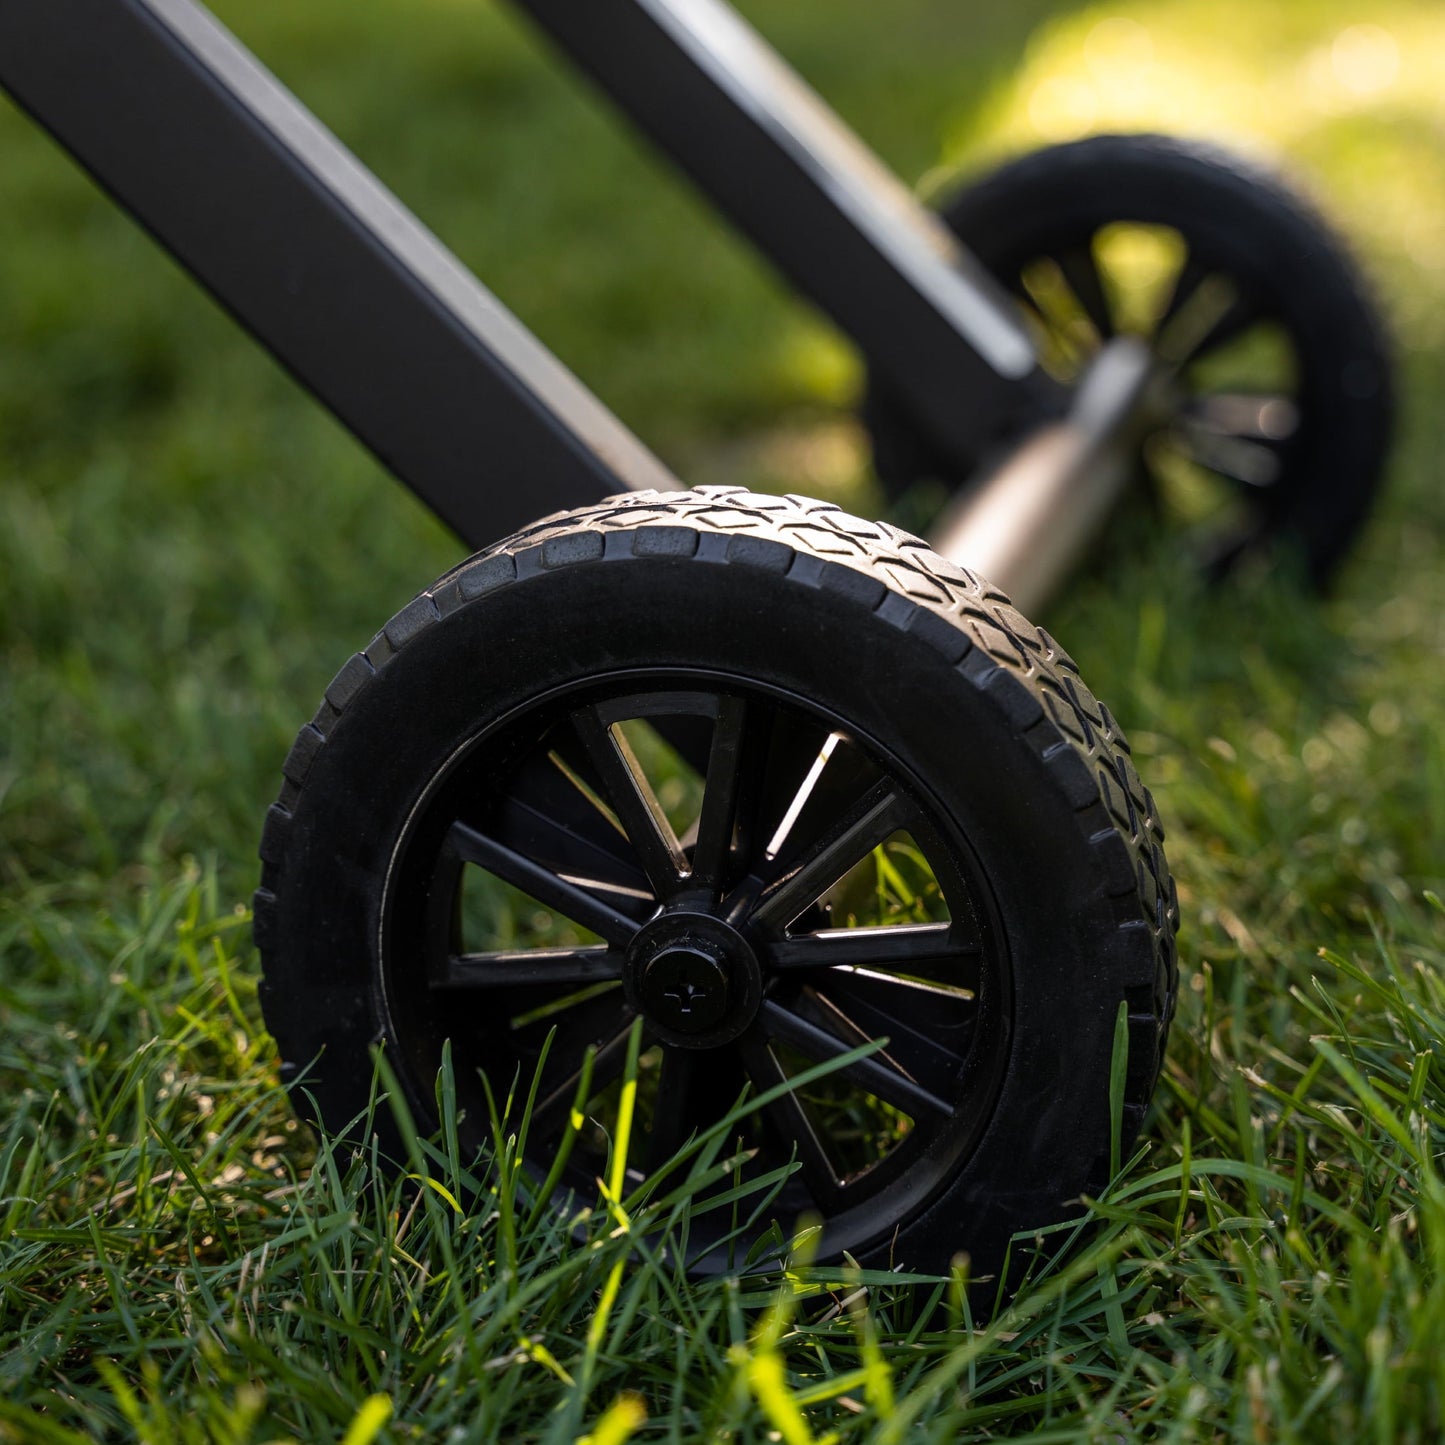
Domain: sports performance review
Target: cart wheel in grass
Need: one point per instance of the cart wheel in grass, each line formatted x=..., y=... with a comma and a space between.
x=778, y=782
x=1280, y=411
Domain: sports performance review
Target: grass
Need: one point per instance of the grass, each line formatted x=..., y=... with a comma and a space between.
x=188, y=549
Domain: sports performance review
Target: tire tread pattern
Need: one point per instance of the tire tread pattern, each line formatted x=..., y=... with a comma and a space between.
x=1017, y=667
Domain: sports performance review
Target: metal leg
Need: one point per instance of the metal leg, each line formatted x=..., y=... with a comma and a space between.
x=770, y=155
x=414, y=356
x=324, y=266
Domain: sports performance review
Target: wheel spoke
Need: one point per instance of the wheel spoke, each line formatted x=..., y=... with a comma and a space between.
x=909, y=948
x=790, y=887
x=1236, y=319
x=1204, y=312
x=790, y=1122
x=674, y=1115
x=1081, y=271
x=688, y=734
x=889, y=1084
x=695, y=1090
x=547, y=817
x=552, y=1109
x=631, y=795
x=1055, y=347
x=576, y=859
x=1252, y=416
x=523, y=968
x=840, y=774
x=911, y=1017
x=1045, y=290
x=793, y=746
x=542, y=884
x=733, y=763
x=1184, y=293
x=1252, y=463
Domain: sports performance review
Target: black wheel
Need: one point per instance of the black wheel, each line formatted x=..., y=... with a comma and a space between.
x=1281, y=416
x=780, y=782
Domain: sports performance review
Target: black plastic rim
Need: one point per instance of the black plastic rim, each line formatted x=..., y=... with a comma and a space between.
x=1241, y=398
x=718, y=935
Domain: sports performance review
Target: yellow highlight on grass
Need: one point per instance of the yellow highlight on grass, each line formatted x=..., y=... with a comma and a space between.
x=1222, y=67
x=1354, y=105
x=622, y=1418
x=366, y=1424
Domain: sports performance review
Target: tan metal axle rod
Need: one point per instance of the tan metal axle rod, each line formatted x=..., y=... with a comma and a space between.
x=1026, y=525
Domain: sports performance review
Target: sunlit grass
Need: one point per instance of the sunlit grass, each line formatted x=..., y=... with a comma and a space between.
x=1353, y=99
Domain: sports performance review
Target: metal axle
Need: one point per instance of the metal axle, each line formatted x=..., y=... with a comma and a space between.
x=1027, y=524
x=367, y=309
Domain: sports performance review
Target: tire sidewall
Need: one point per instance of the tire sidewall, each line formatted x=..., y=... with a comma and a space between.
x=568, y=626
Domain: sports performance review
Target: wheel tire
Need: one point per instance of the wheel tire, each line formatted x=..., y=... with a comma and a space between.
x=798, y=624
x=1290, y=271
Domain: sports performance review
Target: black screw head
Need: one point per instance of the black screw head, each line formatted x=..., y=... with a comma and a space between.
x=685, y=988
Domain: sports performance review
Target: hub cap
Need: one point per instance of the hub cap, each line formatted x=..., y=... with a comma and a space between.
x=764, y=892
x=693, y=978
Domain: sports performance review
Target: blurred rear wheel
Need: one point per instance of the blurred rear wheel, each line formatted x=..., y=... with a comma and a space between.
x=1282, y=406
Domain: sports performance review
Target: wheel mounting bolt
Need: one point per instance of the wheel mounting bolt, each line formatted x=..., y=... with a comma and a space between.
x=685, y=987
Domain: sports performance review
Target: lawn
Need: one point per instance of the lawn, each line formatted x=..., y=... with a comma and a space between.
x=189, y=549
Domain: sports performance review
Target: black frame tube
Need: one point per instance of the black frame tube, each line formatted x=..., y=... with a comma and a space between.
x=372, y=314
x=766, y=151
x=318, y=261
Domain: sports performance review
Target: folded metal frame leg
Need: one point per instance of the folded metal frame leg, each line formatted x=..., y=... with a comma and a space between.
x=412, y=354
x=768, y=154
x=328, y=270
x=370, y=312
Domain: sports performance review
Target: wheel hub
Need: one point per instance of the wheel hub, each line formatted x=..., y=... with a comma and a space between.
x=694, y=978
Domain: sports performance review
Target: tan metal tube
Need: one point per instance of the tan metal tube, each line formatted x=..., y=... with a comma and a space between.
x=1026, y=526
